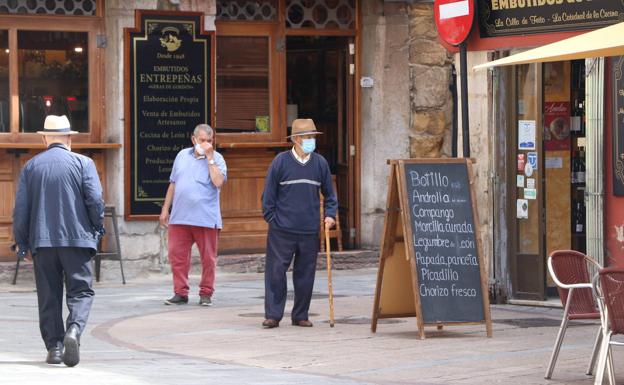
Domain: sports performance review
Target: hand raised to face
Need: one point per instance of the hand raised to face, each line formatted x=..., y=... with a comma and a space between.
x=207, y=147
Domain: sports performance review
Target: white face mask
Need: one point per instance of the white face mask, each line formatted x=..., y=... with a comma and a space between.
x=199, y=149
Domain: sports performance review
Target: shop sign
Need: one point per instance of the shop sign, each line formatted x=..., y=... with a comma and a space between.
x=618, y=126
x=522, y=208
x=169, y=90
x=556, y=133
x=532, y=159
x=522, y=17
x=553, y=162
x=530, y=193
x=526, y=135
x=437, y=273
x=521, y=162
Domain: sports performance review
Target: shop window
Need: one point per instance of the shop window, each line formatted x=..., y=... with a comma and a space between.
x=254, y=10
x=50, y=7
x=53, y=78
x=243, y=97
x=4, y=82
x=320, y=14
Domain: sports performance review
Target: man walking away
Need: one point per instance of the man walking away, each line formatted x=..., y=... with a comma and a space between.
x=58, y=217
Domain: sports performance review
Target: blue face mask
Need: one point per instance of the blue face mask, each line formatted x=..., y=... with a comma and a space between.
x=308, y=145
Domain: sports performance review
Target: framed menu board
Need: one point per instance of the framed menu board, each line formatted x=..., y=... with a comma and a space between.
x=169, y=82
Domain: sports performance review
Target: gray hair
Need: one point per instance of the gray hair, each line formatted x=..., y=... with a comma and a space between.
x=203, y=127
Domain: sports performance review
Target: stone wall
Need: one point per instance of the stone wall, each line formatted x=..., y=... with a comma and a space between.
x=409, y=111
x=385, y=108
x=431, y=104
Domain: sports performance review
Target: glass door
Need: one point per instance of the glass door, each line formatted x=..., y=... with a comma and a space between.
x=527, y=233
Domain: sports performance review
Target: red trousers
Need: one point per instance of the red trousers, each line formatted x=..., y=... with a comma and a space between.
x=181, y=239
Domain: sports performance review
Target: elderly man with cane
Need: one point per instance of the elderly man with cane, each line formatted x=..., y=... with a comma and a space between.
x=290, y=205
x=58, y=217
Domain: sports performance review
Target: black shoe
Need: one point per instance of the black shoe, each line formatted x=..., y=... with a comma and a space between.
x=205, y=300
x=71, y=355
x=176, y=300
x=55, y=354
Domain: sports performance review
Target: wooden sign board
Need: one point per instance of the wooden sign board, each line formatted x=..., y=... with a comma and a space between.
x=169, y=89
x=431, y=261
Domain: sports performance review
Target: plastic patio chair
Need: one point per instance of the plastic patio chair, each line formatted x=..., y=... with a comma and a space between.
x=610, y=294
x=571, y=272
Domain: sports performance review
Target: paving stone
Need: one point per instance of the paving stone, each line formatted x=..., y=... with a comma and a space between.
x=132, y=338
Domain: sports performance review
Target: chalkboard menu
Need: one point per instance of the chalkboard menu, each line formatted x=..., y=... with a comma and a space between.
x=431, y=263
x=618, y=125
x=169, y=90
x=521, y=17
x=444, y=242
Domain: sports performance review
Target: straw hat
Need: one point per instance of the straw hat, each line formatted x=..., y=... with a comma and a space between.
x=303, y=127
x=55, y=125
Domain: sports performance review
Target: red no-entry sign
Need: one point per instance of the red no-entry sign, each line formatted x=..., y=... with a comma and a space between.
x=454, y=19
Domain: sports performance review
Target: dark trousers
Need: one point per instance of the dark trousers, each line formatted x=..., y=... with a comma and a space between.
x=282, y=247
x=53, y=265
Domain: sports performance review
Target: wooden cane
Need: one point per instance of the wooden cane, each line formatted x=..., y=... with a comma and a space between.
x=329, y=278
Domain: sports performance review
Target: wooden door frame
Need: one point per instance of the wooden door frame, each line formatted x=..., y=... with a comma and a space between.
x=355, y=137
x=349, y=113
x=277, y=137
x=513, y=241
x=356, y=34
x=357, y=131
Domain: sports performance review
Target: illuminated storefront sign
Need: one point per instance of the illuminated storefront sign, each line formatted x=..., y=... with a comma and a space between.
x=519, y=17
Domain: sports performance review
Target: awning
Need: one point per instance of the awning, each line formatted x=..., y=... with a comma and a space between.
x=607, y=41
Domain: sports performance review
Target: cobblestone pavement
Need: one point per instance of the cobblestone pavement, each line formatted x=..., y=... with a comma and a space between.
x=132, y=338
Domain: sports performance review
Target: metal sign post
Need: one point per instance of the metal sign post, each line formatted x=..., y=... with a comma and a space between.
x=454, y=19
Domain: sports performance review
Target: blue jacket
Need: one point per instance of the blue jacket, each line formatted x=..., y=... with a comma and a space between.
x=290, y=200
x=58, y=202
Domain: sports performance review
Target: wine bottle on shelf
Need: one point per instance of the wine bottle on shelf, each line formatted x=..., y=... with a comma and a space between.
x=574, y=166
x=581, y=109
x=579, y=218
x=575, y=118
x=580, y=174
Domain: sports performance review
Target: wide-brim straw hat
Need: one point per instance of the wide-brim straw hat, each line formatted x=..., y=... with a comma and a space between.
x=55, y=125
x=303, y=127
